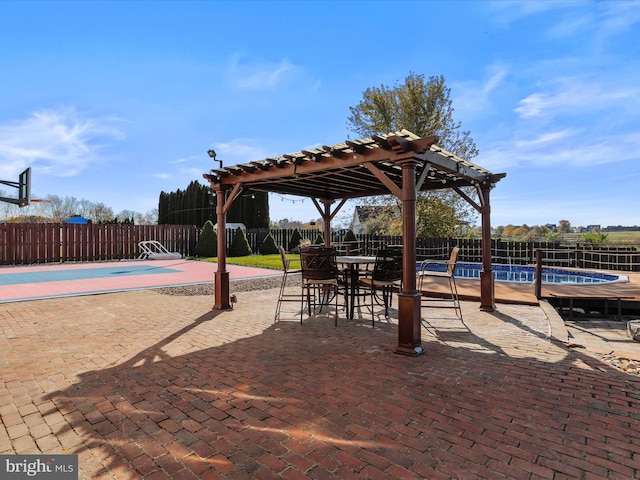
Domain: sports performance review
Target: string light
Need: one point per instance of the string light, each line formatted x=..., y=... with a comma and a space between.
x=285, y=199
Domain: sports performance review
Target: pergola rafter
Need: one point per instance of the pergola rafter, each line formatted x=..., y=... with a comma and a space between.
x=399, y=163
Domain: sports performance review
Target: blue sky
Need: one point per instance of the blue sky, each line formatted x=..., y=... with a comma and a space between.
x=114, y=102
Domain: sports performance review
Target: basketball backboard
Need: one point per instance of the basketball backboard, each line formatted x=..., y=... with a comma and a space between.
x=24, y=189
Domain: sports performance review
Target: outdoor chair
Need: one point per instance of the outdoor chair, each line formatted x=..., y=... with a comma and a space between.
x=285, y=297
x=383, y=279
x=154, y=250
x=320, y=278
x=443, y=269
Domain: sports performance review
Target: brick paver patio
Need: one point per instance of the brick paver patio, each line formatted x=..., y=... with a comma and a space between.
x=145, y=385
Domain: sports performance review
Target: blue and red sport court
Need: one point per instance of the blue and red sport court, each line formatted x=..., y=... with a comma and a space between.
x=60, y=280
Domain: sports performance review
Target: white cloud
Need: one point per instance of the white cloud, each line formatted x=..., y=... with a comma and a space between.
x=618, y=17
x=507, y=11
x=573, y=96
x=566, y=19
x=543, y=140
x=180, y=160
x=566, y=148
x=473, y=98
x=59, y=142
x=260, y=75
x=494, y=81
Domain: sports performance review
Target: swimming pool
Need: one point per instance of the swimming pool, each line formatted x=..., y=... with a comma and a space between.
x=527, y=274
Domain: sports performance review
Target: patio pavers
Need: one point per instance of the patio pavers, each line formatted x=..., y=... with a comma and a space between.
x=145, y=385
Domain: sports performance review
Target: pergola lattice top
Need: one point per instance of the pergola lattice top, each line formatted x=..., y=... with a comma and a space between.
x=353, y=169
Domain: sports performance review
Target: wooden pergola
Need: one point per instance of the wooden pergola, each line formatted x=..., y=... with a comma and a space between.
x=399, y=163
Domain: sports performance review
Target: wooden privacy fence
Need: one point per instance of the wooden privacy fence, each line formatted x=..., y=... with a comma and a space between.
x=30, y=243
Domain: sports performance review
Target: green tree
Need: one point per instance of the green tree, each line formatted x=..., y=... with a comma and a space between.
x=440, y=215
x=564, y=226
x=268, y=245
x=239, y=244
x=193, y=206
x=197, y=204
x=208, y=241
x=425, y=108
x=294, y=242
x=553, y=236
x=349, y=236
x=520, y=232
x=387, y=220
x=539, y=232
x=594, y=238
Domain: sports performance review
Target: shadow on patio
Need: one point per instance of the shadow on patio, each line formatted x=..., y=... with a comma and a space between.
x=491, y=398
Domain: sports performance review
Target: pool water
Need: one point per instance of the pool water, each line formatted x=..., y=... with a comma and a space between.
x=526, y=274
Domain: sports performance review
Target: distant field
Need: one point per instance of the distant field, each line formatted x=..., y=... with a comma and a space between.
x=623, y=237
x=612, y=237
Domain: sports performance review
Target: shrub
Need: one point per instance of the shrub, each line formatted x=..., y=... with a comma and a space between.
x=305, y=242
x=319, y=240
x=268, y=245
x=553, y=236
x=594, y=238
x=294, y=243
x=239, y=245
x=208, y=241
x=350, y=242
x=349, y=237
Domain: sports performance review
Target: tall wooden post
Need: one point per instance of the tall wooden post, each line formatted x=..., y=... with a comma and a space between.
x=222, y=300
x=409, y=321
x=538, y=287
x=487, y=293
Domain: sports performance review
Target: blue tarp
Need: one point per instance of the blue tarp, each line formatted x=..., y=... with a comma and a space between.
x=78, y=220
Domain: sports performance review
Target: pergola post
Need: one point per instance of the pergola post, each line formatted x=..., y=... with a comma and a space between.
x=487, y=292
x=409, y=299
x=222, y=300
x=326, y=218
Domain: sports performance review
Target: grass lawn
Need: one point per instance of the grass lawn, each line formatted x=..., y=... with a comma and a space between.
x=623, y=237
x=273, y=262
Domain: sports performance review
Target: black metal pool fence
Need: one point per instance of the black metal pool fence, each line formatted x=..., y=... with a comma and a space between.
x=31, y=243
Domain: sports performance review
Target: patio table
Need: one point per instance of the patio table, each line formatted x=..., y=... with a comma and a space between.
x=354, y=265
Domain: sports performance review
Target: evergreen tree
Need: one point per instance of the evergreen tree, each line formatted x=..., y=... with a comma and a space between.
x=239, y=245
x=268, y=245
x=197, y=204
x=349, y=236
x=294, y=243
x=208, y=241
